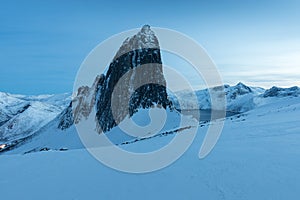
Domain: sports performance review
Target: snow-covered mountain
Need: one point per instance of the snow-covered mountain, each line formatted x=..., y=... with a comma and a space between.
x=282, y=92
x=239, y=98
x=21, y=116
x=51, y=124
x=12, y=105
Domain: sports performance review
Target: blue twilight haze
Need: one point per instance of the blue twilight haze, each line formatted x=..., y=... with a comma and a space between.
x=42, y=43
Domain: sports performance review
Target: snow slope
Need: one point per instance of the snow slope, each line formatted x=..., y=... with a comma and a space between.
x=49, y=137
x=53, y=138
x=21, y=116
x=257, y=157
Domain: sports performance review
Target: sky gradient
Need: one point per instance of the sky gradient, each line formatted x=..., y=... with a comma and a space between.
x=43, y=43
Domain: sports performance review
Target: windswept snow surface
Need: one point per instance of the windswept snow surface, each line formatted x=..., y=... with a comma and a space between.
x=257, y=157
x=50, y=137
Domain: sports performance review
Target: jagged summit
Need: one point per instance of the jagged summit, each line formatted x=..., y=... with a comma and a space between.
x=81, y=105
x=146, y=27
x=145, y=38
x=139, y=50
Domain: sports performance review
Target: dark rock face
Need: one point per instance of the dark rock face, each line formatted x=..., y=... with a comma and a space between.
x=66, y=118
x=134, y=80
x=84, y=101
x=81, y=105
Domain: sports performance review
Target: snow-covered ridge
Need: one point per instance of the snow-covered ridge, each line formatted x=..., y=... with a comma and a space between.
x=47, y=120
x=239, y=98
x=21, y=115
x=282, y=92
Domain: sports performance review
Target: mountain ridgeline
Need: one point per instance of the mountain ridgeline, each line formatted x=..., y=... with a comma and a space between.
x=133, y=80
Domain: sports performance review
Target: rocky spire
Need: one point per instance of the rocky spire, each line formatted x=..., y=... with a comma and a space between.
x=139, y=61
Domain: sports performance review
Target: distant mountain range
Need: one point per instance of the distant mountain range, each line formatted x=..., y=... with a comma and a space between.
x=35, y=123
x=47, y=120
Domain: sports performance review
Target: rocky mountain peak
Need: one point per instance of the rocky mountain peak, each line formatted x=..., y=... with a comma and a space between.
x=144, y=39
x=139, y=61
x=144, y=86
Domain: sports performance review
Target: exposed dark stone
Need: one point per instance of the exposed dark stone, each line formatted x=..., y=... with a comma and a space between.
x=66, y=118
x=140, y=59
x=81, y=106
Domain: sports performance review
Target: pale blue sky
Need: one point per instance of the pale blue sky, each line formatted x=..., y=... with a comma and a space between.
x=42, y=43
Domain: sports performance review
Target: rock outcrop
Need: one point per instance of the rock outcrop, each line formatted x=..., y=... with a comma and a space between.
x=138, y=66
x=133, y=80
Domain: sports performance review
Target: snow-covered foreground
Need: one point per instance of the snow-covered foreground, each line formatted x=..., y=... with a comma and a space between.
x=257, y=157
